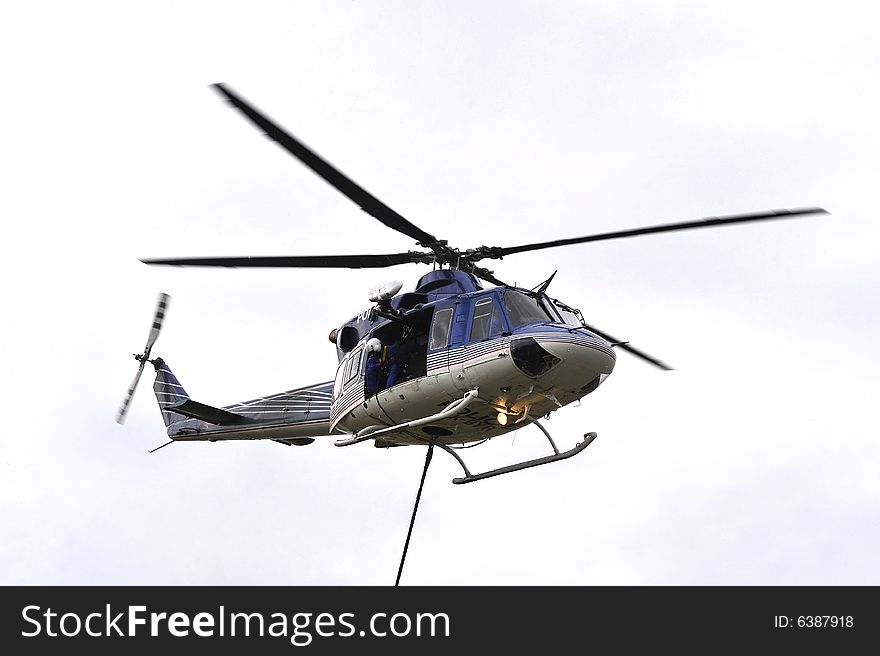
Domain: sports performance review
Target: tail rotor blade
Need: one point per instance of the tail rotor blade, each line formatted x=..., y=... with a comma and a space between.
x=158, y=319
x=123, y=409
x=143, y=358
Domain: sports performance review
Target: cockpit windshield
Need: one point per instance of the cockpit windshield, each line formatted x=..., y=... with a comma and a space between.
x=570, y=316
x=524, y=308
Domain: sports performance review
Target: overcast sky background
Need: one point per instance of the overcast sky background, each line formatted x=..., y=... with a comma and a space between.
x=755, y=462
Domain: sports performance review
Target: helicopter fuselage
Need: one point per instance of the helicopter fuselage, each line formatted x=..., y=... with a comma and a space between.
x=524, y=354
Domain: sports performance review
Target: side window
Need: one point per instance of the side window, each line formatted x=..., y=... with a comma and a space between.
x=486, y=322
x=440, y=329
x=353, y=368
x=337, y=384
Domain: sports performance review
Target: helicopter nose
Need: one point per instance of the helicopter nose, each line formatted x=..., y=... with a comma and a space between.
x=583, y=354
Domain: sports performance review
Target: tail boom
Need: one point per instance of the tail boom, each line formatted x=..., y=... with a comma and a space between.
x=288, y=417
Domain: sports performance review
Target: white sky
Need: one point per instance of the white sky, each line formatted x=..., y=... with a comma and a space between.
x=755, y=462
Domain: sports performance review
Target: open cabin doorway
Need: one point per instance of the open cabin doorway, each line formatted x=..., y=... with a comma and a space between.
x=404, y=352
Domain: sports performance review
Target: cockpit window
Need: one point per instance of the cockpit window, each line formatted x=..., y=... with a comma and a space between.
x=523, y=309
x=570, y=316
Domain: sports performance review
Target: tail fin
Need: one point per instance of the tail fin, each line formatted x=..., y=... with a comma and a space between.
x=176, y=405
x=169, y=392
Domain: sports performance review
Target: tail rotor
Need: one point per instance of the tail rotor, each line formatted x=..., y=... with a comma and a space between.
x=143, y=358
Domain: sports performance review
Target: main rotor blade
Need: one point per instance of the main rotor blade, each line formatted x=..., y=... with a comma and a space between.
x=367, y=202
x=301, y=261
x=629, y=349
x=668, y=227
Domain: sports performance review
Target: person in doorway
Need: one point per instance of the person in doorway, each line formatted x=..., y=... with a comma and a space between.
x=396, y=356
x=373, y=374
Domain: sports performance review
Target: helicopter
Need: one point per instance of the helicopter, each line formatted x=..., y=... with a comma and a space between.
x=452, y=363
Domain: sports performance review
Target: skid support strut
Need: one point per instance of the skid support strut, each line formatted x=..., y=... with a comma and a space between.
x=470, y=478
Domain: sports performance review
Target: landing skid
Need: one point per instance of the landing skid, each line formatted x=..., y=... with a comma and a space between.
x=452, y=409
x=470, y=478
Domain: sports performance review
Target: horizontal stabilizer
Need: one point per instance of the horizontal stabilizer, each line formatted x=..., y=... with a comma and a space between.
x=207, y=413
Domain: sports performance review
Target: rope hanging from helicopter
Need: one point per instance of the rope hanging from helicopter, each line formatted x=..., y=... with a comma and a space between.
x=412, y=520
